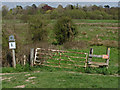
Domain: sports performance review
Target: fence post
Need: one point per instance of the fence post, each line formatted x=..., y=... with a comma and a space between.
x=91, y=52
x=24, y=60
x=31, y=56
x=14, y=62
x=108, y=53
x=86, y=60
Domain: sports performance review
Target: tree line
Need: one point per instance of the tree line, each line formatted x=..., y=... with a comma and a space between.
x=75, y=12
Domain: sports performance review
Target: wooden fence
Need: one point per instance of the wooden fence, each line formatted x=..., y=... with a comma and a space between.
x=67, y=59
x=59, y=58
x=105, y=58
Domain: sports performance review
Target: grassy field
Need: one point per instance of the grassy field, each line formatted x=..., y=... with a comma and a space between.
x=58, y=80
x=94, y=33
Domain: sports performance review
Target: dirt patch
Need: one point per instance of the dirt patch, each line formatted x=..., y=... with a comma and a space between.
x=27, y=80
x=115, y=75
x=27, y=74
x=21, y=86
x=12, y=73
x=4, y=78
x=36, y=71
x=33, y=82
x=31, y=77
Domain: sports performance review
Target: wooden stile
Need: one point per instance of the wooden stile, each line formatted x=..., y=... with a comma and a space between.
x=92, y=64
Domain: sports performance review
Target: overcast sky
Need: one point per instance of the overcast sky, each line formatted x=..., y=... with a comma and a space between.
x=60, y=0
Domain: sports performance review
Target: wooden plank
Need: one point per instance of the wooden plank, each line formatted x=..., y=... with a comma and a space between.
x=98, y=56
x=50, y=65
x=73, y=65
x=61, y=51
x=98, y=63
x=69, y=60
x=51, y=62
x=93, y=65
x=74, y=57
x=35, y=55
x=61, y=55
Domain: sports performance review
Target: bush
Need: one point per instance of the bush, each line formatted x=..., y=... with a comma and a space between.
x=19, y=68
x=24, y=18
x=75, y=14
x=64, y=30
x=37, y=27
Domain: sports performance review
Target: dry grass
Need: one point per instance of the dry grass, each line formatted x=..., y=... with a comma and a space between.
x=75, y=45
x=107, y=43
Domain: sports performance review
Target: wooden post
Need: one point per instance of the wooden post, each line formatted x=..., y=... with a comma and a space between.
x=60, y=59
x=86, y=60
x=14, y=62
x=91, y=52
x=108, y=53
x=24, y=60
x=31, y=56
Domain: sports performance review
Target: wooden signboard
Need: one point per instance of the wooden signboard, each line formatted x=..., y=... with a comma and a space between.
x=105, y=57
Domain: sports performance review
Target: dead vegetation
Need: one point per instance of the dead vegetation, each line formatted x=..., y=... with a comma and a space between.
x=75, y=45
x=107, y=43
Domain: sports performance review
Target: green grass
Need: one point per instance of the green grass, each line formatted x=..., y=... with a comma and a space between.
x=89, y=21
x=55, y=77
x=94, y=21
x=60, y=80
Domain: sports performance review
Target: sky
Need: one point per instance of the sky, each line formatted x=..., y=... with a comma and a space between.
x=59, y=0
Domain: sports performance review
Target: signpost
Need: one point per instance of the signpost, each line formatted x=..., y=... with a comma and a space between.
x=12, y=45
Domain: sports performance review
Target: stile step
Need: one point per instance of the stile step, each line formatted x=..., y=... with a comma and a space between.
x=98, y=63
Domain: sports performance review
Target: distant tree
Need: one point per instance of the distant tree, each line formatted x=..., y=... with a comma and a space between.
x=46, y=7
x=34, y=6
x=95, y=7
x=75, y=14
x=31, y=10
x=18, y=10
x=85, y=8
x=107, y=6
x=69, y=7
x=77, y=6
x=41, y=5
x=9, y=15
x=4, y=10
x=60, y=9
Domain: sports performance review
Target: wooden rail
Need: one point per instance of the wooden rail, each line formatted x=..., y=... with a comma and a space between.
x=59, y=58
x=42, y=57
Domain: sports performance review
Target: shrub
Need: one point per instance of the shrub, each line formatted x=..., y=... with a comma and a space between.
x=64, y=30
x=37, y=27
x=25, y=18
x=75, y=14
